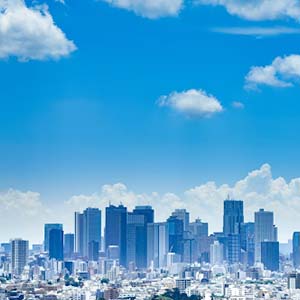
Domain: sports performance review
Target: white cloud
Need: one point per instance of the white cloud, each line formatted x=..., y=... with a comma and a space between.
x=150, y=8
x=237, y=104
x=283, y=72
x=193, y=102
x=22, y=214
x=257, y=31
x=29, y=33
x=259, y=9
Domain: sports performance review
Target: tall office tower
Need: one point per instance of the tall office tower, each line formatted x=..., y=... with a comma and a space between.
x=69, y=245
x=264, y=230
x=270, y=255
x=136, y=240
x=92, y=232
x=148, y=213
x=175, y=229
x=216, y=253
x=116, y=229
x=234, y=248
x=233, y=216
x=88, y=232
x=183, y=215
x=296, y=249
x=199, y=228
x=79, y=233
x=56, y=244
x=247, y=242
x=157, y=244
x=47, y=229
x=19, y=255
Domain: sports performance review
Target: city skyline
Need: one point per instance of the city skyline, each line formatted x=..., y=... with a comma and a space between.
x=258, y=190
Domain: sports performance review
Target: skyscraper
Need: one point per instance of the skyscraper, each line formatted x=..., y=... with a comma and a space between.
x=296, y=249
x=175, y=230
x=79, y=233
x=19, y=255
x=157, y=244
x=233, y=216
x=88, y=232
x=135, y=240
x=183, y=215
x=92, y=232
x=270, y=255
x=47, y=229
x=116, y=229
x=247, y=242
x=148, y=213
x=69, y=245
x=264, y=230
x=56, y=244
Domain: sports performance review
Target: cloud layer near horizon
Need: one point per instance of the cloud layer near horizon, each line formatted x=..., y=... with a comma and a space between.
x=25, y=212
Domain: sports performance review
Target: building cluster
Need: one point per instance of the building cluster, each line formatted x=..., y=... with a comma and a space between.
x=134, y=257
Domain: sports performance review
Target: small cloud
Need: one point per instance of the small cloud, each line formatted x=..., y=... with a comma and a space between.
x=258, y=10
x=257, y=31
x=193, y=103
x=237, y=104
x=283, y=72
x=149, y=8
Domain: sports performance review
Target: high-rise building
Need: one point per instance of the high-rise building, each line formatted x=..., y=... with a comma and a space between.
x=92, y=232
x=175, y=230
x=270, y=255
x=47, y=229
x=136, y=240
x=69, y=245
x=183, y=215
x=148, y=213
x=116, y=230
x=233, y=216
x=56, y=244
x=264, y=230
x=79, y=233
x=216, y=253
x=247, y=242
x=296, y=249
x=88, y=232
x=19, y=255
x=157, y=244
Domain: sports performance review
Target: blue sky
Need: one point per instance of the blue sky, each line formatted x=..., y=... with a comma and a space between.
x=88, y=117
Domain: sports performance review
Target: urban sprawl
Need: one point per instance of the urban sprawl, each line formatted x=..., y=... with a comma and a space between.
x=138, y=258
